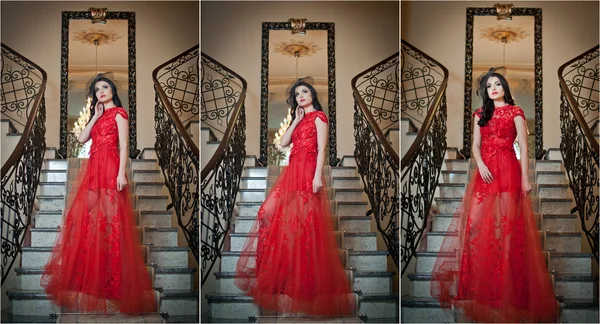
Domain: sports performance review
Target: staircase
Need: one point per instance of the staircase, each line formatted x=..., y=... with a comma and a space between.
x=364, y=259
x=167, y=262
x=570, y=267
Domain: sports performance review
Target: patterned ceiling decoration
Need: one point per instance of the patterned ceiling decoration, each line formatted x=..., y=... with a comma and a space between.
x=499, y=33
x=302, y=48
x=103, y=36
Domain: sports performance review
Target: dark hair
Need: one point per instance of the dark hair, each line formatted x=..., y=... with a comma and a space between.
x=292, y=97
x=92, y=93
x=488, y=104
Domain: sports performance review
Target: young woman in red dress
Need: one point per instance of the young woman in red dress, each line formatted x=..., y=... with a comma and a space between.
x=499, y=274
x=290, y=262
x=97, y=263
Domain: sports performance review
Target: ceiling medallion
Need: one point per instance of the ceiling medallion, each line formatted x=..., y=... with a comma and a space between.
x=297, y=48
x=504, y=34
x=96, y=36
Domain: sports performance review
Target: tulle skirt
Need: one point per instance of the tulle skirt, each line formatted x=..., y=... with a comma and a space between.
x=97, y=263
x=491, y=264
x=290, y=261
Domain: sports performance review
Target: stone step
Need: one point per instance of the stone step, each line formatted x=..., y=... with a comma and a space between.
x=456, y=165
x=435, y=240
x=251, y=208
x=563, y=242
x=165, y=236
x=360, y=224
x=453, y=176
x=554, y=154
x=148, y=153
x=420, y=285
x=174, y=278
x=380, y=307
x=53, y=176
x=156, y=218
x=346, y=182
x=231, y=306
x=426, y=260
x=548, y=165
x=149, y=188
x=450, y=190
x=579, y=310
x=451, y=153
x=143, y=164
x=151, y=203
x=374, y=282
x=424, y=310
x=556, y=205
x=559, y=222
x=355, y=241
x=350, y=194
x=180, y=302
x=348, y=161
x=255, y=172
x=48, y=218
x=571, y=262
x=168, y=256
x=253, y=182
x=31, y=302
x=51, y=202
x=54, y=164
x=551, y=177
x=52, y=188
x=351, y=208
x=553, y=190
x=147, y=176
x=575, y=286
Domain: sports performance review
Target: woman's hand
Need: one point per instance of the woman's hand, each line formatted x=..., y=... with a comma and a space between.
x=299, y=114
x=98, y=110
x=121, y=182
x=317, y=184
x=526, y=187
x=485, y=173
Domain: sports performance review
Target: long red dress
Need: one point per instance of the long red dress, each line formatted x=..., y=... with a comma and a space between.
x=97, y=263
x=289, y=262
x=501, y=275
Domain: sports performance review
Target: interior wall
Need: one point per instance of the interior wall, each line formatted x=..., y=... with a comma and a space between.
x=365, y=34
x=437, y=28
x=164, y=29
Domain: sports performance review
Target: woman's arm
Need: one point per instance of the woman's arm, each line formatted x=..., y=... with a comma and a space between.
x=521, y=126
x=485, y=173
x=84, y=136
x=123, y=128
x=322, y=128
x=286, y=139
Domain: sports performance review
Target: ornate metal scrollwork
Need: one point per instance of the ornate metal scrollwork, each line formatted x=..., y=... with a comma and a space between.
x=264, y=86
x=222, y=175
x=21, y=172
x=422, y=164
x=467, y=116
x=134, y=152
x=578, y=147
x=177, y=154
x=375, y=107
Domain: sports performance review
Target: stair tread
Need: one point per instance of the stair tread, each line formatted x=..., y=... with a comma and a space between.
x=571, y=254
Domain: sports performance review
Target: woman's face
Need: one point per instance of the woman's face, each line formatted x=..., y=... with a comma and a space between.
x=303, y=96
x=103, y=92
x=494, y=88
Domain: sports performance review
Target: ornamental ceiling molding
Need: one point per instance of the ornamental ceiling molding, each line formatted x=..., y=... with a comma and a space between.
x=298, y=48
x=93, y=35
x=500, y=34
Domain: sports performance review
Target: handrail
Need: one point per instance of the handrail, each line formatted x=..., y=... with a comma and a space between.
x=422, y=164
x=170, y=110
x=572, y=103
x=220, y=153
x=579, y=148
x=411, y=154
x=377, y=162
x=20, y=148
x=178, y=156
x=21, y=171
x=222, y=175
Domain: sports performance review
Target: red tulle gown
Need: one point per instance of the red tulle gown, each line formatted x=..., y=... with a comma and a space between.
x=290, y=261
x=501, y=275
x=97, y=263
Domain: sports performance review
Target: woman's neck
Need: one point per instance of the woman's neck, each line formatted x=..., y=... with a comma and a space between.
x=109, y=105
x=499, y=103
x=309, y=109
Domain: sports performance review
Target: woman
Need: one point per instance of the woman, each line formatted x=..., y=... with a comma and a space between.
x=97, y=264
x=499, y=274
x=290, y=262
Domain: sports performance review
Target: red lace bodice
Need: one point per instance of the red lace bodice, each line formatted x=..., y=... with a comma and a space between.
x=304, y=136
x=105, y=134
x=500, y=132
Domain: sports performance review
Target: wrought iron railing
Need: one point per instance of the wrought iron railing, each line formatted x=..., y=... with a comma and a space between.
x=23, y=86
x=221, y=90
x=376, y=109
x=176, y=95
x=424, y=82
x=579, y=84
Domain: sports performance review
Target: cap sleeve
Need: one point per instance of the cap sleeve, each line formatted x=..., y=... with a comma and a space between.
x=321, y=115
x=517, y=111
x=478, y=112
x=122, y=112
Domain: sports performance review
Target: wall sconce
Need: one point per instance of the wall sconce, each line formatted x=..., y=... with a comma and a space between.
x=98, y=15
x=298, y=26
x=504, y=11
